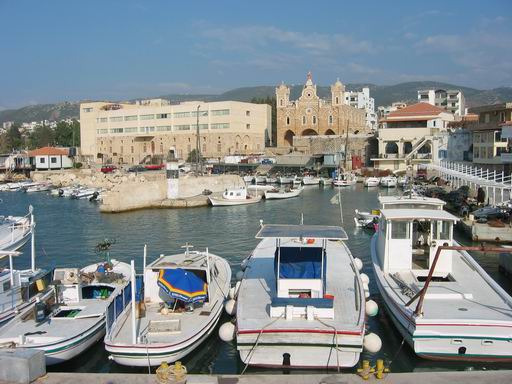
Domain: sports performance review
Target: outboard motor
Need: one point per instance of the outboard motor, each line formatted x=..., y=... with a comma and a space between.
x=61, y=191
x=94, y=196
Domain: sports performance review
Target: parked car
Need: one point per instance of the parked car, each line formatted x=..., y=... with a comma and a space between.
x=137, y=168
x=108, y=168
x=154, y=167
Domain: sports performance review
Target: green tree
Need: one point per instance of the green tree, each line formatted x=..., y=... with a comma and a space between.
x=273, y=103
x=42, y=136
x=11, y=139
x=67, y=134
x=192, y=156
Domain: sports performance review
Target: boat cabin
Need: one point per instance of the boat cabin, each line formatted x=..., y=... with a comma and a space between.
x=300, y=265
x=408, y=240
x=235, y=194
x=412, y=202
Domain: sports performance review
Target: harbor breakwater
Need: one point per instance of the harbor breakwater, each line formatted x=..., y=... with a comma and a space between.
x=130, y=191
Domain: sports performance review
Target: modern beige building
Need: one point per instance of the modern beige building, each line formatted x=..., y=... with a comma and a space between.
x=312, y=116
x=129, y=133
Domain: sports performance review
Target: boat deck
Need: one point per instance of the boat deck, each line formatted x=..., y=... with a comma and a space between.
x=259, y=287
x=467, y=298
x=54, y=329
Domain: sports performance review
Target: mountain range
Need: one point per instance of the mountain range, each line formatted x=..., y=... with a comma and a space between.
x=383, y=95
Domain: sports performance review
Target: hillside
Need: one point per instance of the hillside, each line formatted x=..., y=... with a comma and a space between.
x=383, y=95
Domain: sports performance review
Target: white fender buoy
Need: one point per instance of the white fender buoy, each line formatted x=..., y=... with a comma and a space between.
x=364, y=278
x=372, y=308
x=227, y=332
x=239, y=275
x=358, y=263
x=244, y=263
x=366, y=287
x=237, y=288
x=366, y=294
x=372, y=343
x=230, y=307
x=231, y=293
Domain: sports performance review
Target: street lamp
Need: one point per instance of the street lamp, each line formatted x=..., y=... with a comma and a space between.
x=198, y=142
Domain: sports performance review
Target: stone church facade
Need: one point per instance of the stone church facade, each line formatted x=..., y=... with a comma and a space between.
x=311, y=116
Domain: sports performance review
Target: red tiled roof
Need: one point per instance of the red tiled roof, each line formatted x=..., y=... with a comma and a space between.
x=48, y=151
x=419, y=109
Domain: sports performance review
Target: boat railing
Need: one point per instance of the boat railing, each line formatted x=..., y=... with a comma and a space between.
x=120, y=304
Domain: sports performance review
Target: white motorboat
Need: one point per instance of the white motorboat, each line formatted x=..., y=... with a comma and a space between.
x=441, y=301
x=310, y=180
x=286, y=179
x=363, y=218
x=371, y=182
x=83, y=193
x=272, y=180
x=260, y=179
x=248, y=179
x=388, y=181
x=15, y=231
x=71, y=319
x=301, y=303
x=175, y=321
x=283, y=194
x=238, y=196
x=344, y=179
x=41, y=187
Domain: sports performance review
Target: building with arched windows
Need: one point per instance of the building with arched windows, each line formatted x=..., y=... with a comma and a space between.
x=311, y=116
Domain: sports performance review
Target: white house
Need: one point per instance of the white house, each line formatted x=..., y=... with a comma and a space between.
x=50, y=158
x=362, y=100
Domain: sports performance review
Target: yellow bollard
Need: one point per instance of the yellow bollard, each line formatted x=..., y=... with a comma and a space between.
x=380, y=369
x=178, y=372
x=365, y=370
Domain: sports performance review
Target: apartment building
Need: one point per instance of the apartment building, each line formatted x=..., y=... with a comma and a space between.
x=129, y=133
x=450, y=100
x=413, y=135
x=362, y=100
x=491, y=135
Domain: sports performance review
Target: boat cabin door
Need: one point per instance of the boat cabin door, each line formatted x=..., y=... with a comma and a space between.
x=441, y=232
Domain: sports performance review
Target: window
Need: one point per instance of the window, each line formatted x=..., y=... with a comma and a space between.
x=337, y=100
x=147, y=117
x=116, y=119
x=204, y=148
x=487, y=118
x=400, y=230
x=132, y=152
x=42, y=160
x=101, y=120
x=288, y=120
x=116, y=130
x=200, y=113
x=182, y=127
x=247, y=113
x=441, y=229
x=281, y=102
x=201, y=126
x=490, y=152
x=303, y=120
x=247, y=126
x=131, y=118
x=477, y=138
x=6, y=286
x=483, y=153
x=100, y=131
x=178, y=115
x=131, y=129
x=220, y=112
x=219, y=126
x=476, y=152
x=330, y=119
x=146, y=129
x=53, y=160
x=164, y=128
x=502, y=116
x=314, y=120
x=161, y=116
x=500, y=150
x=87, y=109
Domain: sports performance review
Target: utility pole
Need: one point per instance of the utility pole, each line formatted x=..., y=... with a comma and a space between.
x=198, y=141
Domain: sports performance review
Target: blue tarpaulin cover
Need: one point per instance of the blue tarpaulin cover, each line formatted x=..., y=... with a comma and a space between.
x=183, y=285
x=300, y=263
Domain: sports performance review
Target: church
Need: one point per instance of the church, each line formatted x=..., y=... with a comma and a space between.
x=311, y=116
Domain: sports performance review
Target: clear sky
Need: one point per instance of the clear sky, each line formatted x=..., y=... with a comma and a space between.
x=73, y=50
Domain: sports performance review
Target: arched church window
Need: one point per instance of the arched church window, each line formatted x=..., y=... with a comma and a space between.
x=314, y=119
x=288, y=121
x=303, y=120
x=330, y=119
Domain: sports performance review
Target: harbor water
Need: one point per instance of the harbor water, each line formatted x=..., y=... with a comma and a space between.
x=67, y=232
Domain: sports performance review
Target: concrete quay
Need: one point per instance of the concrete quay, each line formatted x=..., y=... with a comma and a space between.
x=469, y=377
x=153, y=194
